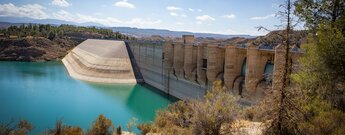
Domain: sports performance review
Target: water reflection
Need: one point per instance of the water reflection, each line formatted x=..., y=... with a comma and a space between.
x=141, y=99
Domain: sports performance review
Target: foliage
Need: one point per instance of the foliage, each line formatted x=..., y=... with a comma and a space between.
x=61, y=129
x=101, y=126
x=23, y=127
x=206, y=116
x=315, y=12
x=324, y=119
x=321, y=78
x=51, y=32
x=322, y=71
x=145, y=128
x=118, y=130
x=131, y=123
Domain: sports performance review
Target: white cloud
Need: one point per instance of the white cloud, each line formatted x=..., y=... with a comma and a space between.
x=262, y=17
x=34, y=11
x=64, y=15
x=205, y=18
x=172, y=8
x=179, y=23
x=179, y=15
x=199, y=10
x=229, y=16
x=191, y=9
x=108, y=21
x=173, y=14
x=61, y=3
x=124, y=4
x=198, y=22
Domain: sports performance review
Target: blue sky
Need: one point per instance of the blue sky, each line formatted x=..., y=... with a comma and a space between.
x=212, y=16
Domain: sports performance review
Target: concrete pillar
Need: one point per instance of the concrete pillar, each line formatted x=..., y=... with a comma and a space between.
x=201, y=72
x=232, y=66
x=178, y=59
x=189, y=65
x=194, y=63
x=215, y=61
x=189, y=60
x=279, y=67
x=255, y=69
x=188, y=39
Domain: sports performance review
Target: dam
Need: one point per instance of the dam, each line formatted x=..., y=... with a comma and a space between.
x=101, y=61
x=184, y=69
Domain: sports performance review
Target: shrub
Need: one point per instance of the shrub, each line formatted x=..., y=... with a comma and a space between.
x=102, y=126
x=131, y=123
x=145, y=128
x=23, y=127
x=206, y=116
x=61, y=129
x=118, y=130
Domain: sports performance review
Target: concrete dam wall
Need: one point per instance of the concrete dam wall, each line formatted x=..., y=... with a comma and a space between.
x=155, y=70
x=182, y=69
x=186, y=69
x=100, y=61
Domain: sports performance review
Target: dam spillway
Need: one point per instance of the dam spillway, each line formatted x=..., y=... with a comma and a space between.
x=100, y=61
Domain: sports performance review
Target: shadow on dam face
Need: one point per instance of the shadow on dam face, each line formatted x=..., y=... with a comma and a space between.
x=135, y=67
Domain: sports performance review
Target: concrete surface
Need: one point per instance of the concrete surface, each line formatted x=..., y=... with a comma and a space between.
x=100, y=61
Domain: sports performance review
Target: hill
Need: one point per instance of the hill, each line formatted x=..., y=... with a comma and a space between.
x=30, y=42
x=137, y=32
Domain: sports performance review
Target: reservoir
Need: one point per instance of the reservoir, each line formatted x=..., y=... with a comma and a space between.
x=43, y=92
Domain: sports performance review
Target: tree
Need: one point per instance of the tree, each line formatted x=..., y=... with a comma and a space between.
x=315, y=12
x=323, y=63
x=321, y=78
x=279, y=110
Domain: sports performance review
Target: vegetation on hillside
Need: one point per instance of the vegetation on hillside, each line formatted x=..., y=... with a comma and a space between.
x=44, y=42
x=61, y=31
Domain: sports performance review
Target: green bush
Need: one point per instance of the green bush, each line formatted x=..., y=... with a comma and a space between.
x=118, y=130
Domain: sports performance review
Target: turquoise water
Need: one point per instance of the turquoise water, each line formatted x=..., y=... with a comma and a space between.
x=44, y=92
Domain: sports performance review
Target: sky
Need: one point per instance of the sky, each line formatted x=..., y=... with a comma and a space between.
x=209, y=16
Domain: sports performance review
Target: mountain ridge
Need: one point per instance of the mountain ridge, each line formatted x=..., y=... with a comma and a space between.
x=132, y=31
